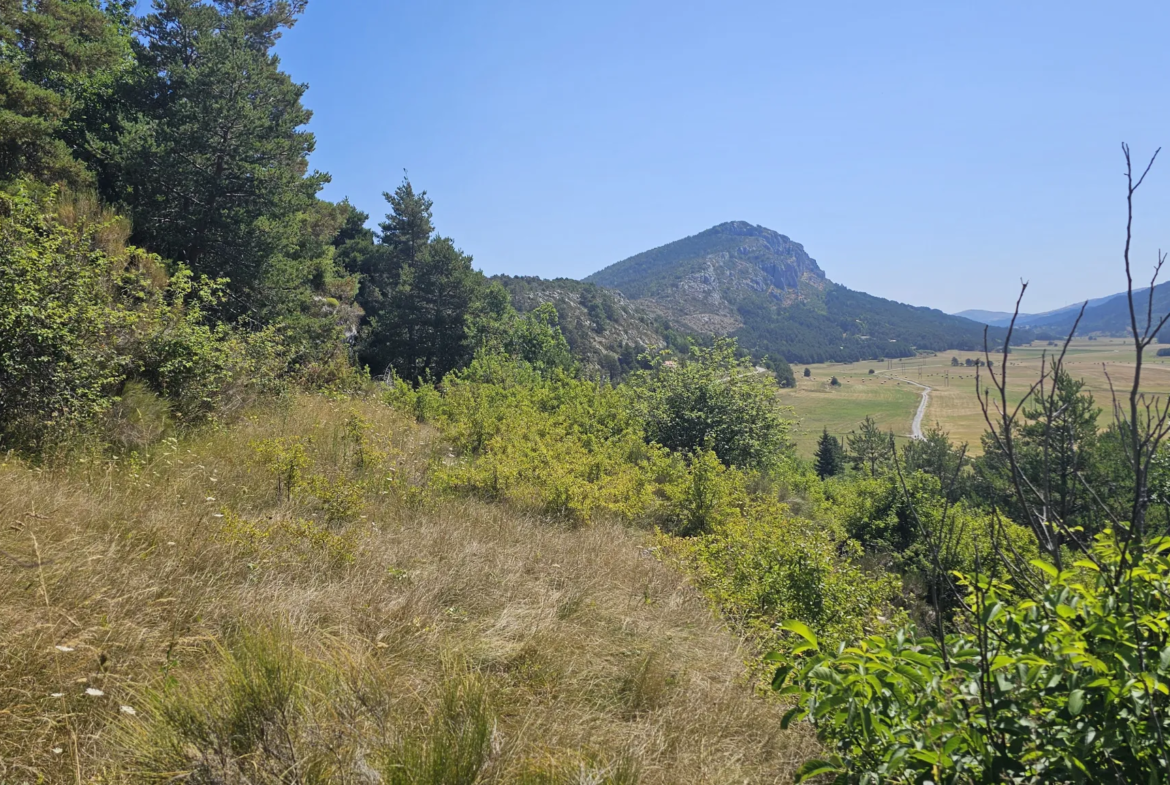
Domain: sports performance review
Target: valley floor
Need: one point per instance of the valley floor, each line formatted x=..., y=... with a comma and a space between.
x=953, y=404
x=182, y=613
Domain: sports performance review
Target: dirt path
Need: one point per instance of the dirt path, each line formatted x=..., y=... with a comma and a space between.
x=916, y=424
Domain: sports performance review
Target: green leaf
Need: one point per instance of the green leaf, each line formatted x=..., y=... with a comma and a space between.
x=1076, y=702
x=1045, y=567
x=789, y=716
x=814, y=768
x=779, y=677
x=801, y=629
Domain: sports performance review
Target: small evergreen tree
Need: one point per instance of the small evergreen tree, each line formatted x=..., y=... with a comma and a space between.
x=807, y=373
x=830, y=456
x=869, y=447
x=418, y=292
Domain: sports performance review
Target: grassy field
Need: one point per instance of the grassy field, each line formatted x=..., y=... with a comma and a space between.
x=183, y=614
x=953, y=403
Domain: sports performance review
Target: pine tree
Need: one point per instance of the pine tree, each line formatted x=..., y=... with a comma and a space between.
x=869, y=447
x=418, y=292
x=211, y=154
x=54, y=55
x=829, y=457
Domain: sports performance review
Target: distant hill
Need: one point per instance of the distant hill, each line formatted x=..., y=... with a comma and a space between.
x=1104, y=316
x=764, y=289
x=606, y=331
x=993, y=318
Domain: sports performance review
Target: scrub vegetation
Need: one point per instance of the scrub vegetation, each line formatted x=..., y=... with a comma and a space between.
x=285, y=499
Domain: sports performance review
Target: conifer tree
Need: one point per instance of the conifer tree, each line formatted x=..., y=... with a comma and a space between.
x=211, y=156
x=830, y=456
x=54, y=54
x=418, y=292
x=869, y=447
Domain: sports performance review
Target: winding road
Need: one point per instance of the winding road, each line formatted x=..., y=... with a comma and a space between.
x=916, y=425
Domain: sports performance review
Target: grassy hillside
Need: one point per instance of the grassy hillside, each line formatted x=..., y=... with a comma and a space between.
x=179, y=612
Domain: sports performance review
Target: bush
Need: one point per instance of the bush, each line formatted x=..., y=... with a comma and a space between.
x=1070, y=686
x=556, y=445
x=712, y=401
x=760, y=564
x=86, y=321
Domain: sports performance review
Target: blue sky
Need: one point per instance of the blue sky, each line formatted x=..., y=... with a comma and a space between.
x=933, y=153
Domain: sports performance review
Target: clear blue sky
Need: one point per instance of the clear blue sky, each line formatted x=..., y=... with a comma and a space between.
x=934, y=153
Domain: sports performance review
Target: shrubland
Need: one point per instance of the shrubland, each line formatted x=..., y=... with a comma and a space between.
x=286, y=499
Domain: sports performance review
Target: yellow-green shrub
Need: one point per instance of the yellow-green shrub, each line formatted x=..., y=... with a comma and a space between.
x=762, y=565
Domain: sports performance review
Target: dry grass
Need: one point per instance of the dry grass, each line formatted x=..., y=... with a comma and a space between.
x=407, y=638
x=953, y=402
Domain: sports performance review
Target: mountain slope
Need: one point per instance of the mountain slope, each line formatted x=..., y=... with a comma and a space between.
x=1106, y=316
x=993, y=318
x=763, y=288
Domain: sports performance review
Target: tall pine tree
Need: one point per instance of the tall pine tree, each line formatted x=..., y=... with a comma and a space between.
x=418, y=291
x=55, y=57
x=211, y=159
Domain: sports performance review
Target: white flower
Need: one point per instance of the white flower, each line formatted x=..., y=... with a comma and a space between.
x=94, y=692
x=128, y=710
x=64, y=648
x=210, y=498
x=57, y=750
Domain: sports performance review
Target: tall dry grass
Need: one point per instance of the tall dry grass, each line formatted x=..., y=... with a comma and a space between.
x=185, y=615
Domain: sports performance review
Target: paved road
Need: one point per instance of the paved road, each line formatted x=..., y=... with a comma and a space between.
x=916, y=425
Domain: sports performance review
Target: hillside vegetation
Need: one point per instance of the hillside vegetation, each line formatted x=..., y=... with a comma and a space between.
x=286, y=499
x=288, y=597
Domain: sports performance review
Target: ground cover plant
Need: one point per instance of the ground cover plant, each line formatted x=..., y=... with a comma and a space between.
x=194, y=610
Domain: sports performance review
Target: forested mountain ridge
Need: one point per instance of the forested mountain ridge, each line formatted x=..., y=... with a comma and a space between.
x=763, y=288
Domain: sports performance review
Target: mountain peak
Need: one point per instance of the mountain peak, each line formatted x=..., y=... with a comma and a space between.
x=738, y=253
x=752, y=282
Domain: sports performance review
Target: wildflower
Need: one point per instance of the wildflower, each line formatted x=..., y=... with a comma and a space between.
x=210, y=498
x=57, y=750
x=94, y=692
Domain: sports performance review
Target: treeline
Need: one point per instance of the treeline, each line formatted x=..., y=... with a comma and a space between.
x=164, y=237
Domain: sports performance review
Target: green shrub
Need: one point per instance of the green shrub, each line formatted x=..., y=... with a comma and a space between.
x=760, y=564
x=82, y=315
x=1069, y=686
x=712, y=401
x=553, y=444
